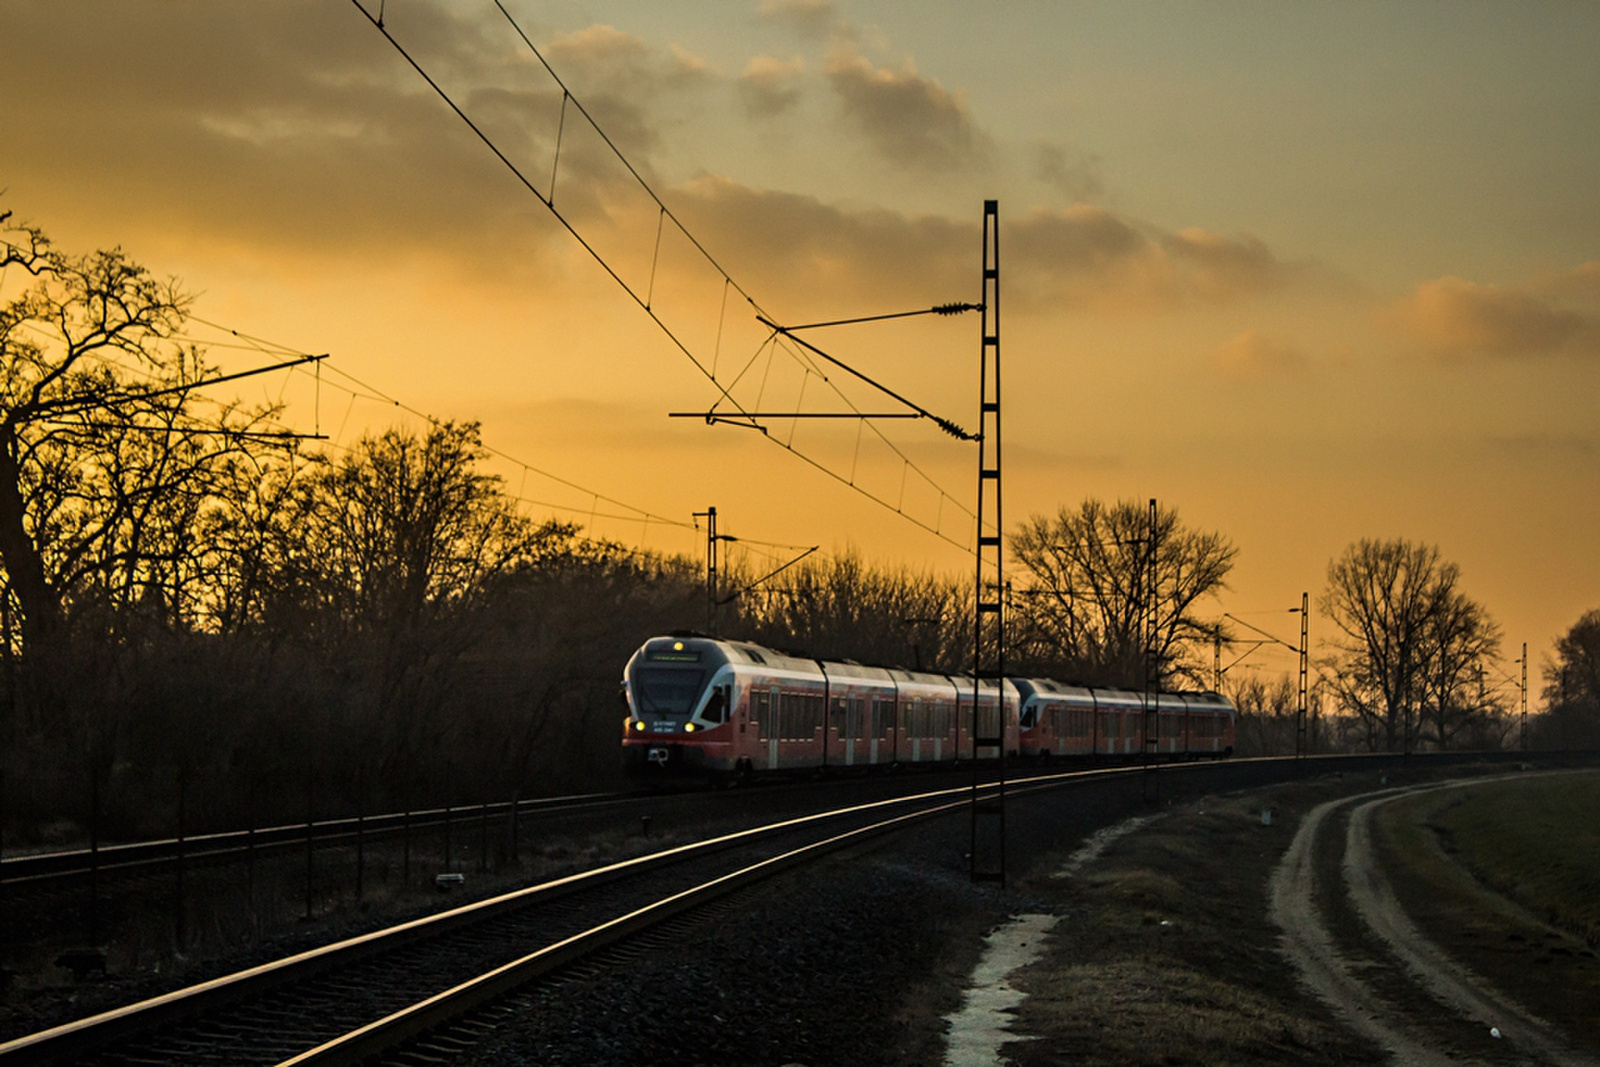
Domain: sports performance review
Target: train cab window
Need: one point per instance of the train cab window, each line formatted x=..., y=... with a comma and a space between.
x=717, y=707
x=666, y=690
x=1030, y=716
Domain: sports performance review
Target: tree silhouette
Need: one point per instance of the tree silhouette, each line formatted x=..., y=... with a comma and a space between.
x=1571, y=718
x=109, y=458
x=1094, y=578
x=1413, y=648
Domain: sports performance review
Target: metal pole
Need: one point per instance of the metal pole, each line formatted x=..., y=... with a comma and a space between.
x=483, y=838
x=447, y=841
x=516, y=849
x=1524, y=696
x=179, y=923
x=311, y=811
x=94, y=847
x=361, y=831
x=710, y=515
x=250, y=855
x=987, y=855
x=1152, y=669
x=1301, y=745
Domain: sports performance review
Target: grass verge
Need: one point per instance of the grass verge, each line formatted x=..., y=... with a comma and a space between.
x=1505, y=877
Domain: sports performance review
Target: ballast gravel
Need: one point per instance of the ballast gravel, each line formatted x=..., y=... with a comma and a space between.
x=852, y=962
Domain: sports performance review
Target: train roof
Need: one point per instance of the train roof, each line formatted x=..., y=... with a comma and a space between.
x=716, y=651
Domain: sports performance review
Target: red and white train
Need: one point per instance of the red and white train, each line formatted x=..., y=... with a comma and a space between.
x=726, y=709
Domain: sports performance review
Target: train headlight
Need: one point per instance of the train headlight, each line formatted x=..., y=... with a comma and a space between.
x=638, y=724
x=688, y=727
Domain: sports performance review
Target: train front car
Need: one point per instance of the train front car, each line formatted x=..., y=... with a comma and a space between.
x=679, y=691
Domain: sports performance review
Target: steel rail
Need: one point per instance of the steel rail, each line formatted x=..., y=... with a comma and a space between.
x=126, y=857
x=129, y=856
x=395, y=1029
x=81, y=1037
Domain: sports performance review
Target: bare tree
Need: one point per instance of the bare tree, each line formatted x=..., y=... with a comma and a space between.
x=843, y=608
x=1571, y=718
x=1413, y=646
x=1266, y=710
x=405, y=526
x=108, y=456
x=1097, y=577
x=1460, y=641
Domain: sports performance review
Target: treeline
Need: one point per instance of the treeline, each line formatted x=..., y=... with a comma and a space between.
x=206, y=622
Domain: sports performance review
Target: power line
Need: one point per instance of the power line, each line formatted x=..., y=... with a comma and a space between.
x=367, y=391
x=645, y=302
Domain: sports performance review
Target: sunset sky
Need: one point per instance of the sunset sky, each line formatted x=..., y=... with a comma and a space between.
x=1306, y=272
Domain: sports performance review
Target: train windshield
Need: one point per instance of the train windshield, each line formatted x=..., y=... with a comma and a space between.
x=667, y=690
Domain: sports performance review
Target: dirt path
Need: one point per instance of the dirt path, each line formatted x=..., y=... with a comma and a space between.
x=1393, y=999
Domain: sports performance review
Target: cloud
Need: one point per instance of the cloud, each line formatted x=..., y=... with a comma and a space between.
x=1071, y=171
x=1083, y=256
x=1455, y=317
x=292, y=133
x=790, y=244
x=810, y=18
x=1252, y=354
x=770, y=86
x=912, y=121
x=1089, y=256
x=1581, y=282
x=294, y=129
x=603, y=60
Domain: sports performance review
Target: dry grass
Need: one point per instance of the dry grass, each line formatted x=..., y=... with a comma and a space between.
x=1165, y=955
x=1157, y=1010
x=1537, y=842
x=1504, y=877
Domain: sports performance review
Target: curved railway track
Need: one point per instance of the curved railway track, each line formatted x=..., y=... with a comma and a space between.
x=137, y=857
x=343, y=1002
x=423, y=980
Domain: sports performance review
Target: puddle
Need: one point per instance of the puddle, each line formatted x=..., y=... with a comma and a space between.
x=982, y=1025
x=1099, y=841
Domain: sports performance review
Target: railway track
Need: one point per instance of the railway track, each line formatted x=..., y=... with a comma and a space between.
x=344, y=1002
x=138, y=857
x=424, y=980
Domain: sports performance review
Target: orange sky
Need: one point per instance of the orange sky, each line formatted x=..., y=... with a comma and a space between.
x=1304, y=277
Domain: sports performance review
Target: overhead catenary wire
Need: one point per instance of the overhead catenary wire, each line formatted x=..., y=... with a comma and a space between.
x=736, y=412
x=364, y=390
x=944, y=424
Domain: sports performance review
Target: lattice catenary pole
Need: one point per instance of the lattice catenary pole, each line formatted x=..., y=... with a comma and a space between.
x=988, y=852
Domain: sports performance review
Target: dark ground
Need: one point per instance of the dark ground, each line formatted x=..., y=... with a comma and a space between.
x=1164, y=955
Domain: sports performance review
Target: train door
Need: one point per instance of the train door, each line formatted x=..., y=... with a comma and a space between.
x=917, y=726
x=877, y=730
x=848, y=709
x=774, y=731
x=840, y=731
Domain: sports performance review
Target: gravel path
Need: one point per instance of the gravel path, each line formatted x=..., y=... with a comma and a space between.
x=1407, y=1027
